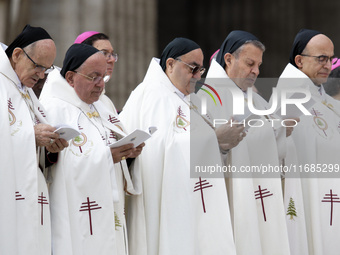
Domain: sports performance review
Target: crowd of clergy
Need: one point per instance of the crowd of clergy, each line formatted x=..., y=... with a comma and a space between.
x=74, y=181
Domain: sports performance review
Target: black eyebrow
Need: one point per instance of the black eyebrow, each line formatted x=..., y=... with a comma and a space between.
x=195, y=64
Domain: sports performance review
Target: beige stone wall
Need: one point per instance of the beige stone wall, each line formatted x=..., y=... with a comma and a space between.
x=130, y=24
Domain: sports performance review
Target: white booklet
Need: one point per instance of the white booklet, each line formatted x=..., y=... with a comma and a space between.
x=136, y=137
x=66, y=132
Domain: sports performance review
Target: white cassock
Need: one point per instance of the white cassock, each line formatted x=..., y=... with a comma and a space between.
x=125, y=186
x=175, y=214
x=28, y=217
x=258, y=219
x=86, y=184
x=317, y=141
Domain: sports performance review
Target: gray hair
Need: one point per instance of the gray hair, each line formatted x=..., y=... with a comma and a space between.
x=256, y=43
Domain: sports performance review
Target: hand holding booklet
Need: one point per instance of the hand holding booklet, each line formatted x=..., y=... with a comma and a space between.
x=136, y=137
x=66, y=132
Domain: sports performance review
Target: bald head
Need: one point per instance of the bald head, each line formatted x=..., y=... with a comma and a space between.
x=319, y=41
x=42, y=53
x=314, y=60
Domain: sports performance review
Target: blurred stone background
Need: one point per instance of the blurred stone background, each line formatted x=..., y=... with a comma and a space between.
x=140, y=29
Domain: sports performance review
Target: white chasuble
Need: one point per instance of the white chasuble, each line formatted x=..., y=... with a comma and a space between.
x=8, y=230
x=256, y=201
x=294, y=206
x=84, y=184
x=317, y=143
x=28, y=189
x=175, y=214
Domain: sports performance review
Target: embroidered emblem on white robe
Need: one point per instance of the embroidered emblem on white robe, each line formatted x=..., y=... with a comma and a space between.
x=291, y=210
x=331, y=198
x=200, y=186
x=320, y=125
x=89, y=206
x=262, y=194
x=181, y=122
x=83, y=144
x=42, y=200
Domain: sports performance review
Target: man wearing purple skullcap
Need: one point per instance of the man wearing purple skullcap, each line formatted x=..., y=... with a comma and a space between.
x=82, y=37
x=317, y=139
x=26, y=136
x=170, y=216
x=101, y=42
x=85, y=176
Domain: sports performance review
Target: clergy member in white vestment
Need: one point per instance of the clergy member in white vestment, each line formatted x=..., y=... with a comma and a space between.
x=101, y=42
x=256, y=202
x=25, y=215
x=175, y=214
x=317, y=140
x=84, y=187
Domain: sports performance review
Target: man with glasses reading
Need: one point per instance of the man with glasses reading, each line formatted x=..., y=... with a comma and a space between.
x=317, y=140
x=176, y=214
x=101, y=42
x=25, y=134
x=84, y=187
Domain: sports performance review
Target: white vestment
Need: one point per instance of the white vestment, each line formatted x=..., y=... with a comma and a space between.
x=86, y=184
x=258, y=219
x=317, y=142
x=22, y=180
x=175, y=214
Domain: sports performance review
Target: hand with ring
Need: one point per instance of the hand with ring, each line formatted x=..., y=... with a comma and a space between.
x=121, y=153
x=44, y=134
x=57, y=145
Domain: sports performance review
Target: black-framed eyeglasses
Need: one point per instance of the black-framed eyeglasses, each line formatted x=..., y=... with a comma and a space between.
x=323, y=59
x=95, y=79
x=194, y=69
x=39, y=68
x=108, y=55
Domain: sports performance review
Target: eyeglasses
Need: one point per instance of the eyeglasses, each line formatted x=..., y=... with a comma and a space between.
x=39, y=68
x=95, y=79
x=194, y=69
x=108, y=55
x=322, y=59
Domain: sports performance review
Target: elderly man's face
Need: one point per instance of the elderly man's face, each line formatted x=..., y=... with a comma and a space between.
x=317, y=71
x=244, y=69
x=180, y=74
x=42, y=54
x=89, y=91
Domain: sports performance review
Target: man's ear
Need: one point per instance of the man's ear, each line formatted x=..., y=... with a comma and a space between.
x=298, y=61
x=16, y=55
x=69, y=76
x=227, y=59
x=170, y=62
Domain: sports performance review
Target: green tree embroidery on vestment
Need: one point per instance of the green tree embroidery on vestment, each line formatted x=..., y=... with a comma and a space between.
x=78, y=139
x=291, y=209
x=117, y=221
x=180, y=122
